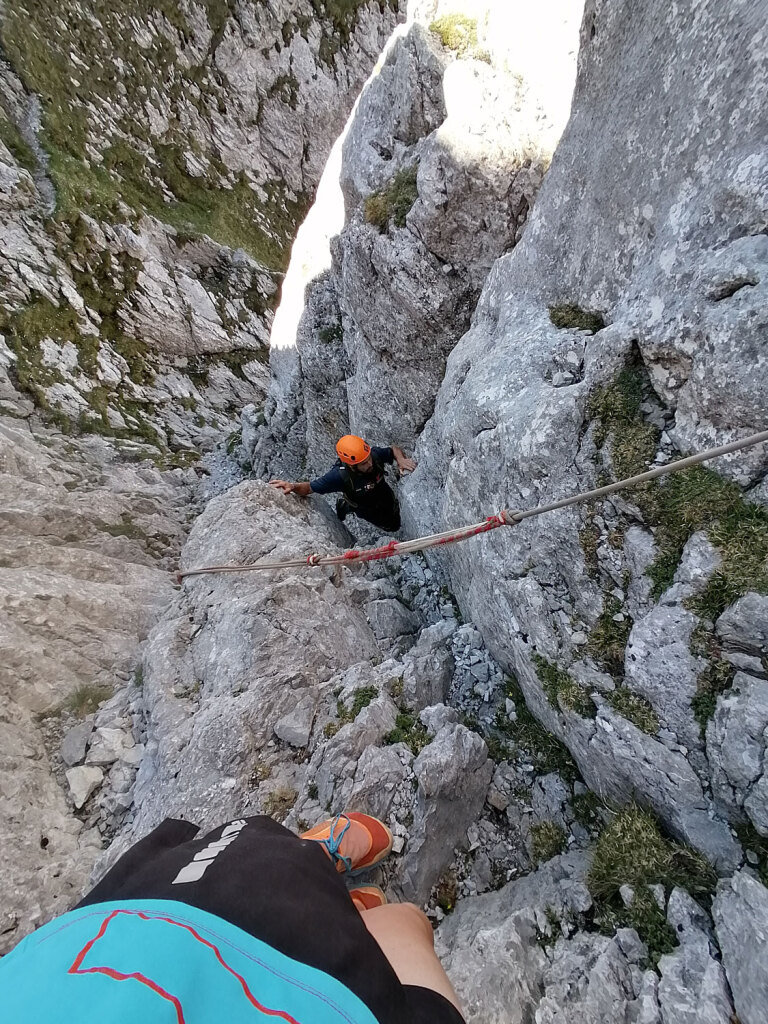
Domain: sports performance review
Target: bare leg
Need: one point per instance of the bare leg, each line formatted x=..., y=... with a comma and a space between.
x=405, y=936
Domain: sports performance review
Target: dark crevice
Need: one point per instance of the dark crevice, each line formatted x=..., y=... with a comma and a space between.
x=729, y=288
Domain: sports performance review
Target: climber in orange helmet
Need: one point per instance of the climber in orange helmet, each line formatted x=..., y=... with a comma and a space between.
x=359, y=476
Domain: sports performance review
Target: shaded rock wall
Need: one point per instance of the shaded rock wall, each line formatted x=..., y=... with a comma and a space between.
x=439, y=166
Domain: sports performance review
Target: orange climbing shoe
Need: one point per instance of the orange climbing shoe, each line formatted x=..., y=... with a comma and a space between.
x=353, y=841
x=367, y=897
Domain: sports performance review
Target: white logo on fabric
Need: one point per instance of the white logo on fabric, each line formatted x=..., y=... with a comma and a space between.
x=200, y=862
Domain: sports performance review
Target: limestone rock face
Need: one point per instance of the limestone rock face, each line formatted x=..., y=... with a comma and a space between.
x=150, y=292
x=505, y=433
x=736, y=746
x=740, y=910
x=85, y=544
x=492, y=949
x=441, y=161
x=453, y=774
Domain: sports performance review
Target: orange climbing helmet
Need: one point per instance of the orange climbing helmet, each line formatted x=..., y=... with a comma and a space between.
x=352, y=449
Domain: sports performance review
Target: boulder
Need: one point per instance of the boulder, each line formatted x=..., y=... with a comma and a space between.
x=740, y=912
x=83, y=781
x=75, y=743
x=453, y=774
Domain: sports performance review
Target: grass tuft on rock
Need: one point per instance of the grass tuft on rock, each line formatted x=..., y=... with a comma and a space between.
x=683, y=503
x=393, y=203
x=632, y=851
x=409, y=730
x=574, y=318
x=456, y=32
x=716, y=678
x=635, y=709
x=85, y=699
x=279, y=802
x=608, y=638
x=563, y=691
x=16, y=145
x=545, y=751
x=361, y=699
x=548, y=839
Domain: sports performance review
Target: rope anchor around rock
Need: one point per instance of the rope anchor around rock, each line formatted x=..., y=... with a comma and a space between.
x=505, y=517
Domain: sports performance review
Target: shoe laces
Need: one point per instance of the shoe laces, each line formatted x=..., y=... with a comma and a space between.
x=332, y=843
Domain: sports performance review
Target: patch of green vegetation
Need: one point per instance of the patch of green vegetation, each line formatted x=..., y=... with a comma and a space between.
x=330, y=729
x=278, y=803
x=751, y=840
x=683, y=503
x=635, y=709
x=259, y=773
x=139, y=173
x=286, y=88
x=498, y=749
x=456, y=32
x=631, y=850
x=394, y=202
x=361, y=699
x=553, y=930
x=312, y=791
x=125, y=528
x=545, y=751
x=337, y=21
x=589, y=538
x=608, y=638
x=548, y=839
x=409, y=730
x=25, y=330
x=616, y=407
x=586, y=809
x=561, y=690
x=234, y=440
x=17, y=146
x=716, y=678
x=575, y=318
x=86, y=699
x=331, y=333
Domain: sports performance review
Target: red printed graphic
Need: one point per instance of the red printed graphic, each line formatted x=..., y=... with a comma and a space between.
x=110, y=972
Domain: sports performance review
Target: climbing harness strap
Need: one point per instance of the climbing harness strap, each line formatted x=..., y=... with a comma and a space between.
x=504, y=518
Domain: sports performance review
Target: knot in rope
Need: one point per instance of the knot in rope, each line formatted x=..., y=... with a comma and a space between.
x=313, y=559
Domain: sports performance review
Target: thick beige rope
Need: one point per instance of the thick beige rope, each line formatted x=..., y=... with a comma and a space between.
x=503, y=518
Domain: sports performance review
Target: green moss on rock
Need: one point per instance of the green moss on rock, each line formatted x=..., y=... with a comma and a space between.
x=632, y=851
x=635, y=709
x=394, y=202
x=563, y=691
x=548, y=839
x=571, y=317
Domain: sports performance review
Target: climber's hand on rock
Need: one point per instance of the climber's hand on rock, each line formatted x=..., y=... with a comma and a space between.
x=282, y=485
x=407, y=465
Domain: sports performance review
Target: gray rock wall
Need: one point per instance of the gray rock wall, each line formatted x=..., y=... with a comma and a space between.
x=641, y=204
x=459, y=144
